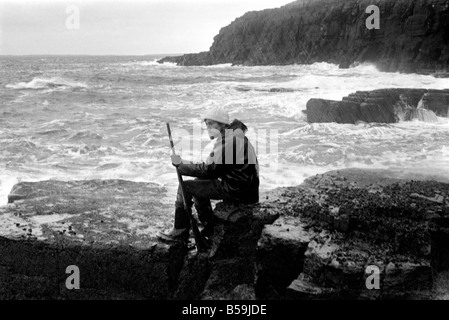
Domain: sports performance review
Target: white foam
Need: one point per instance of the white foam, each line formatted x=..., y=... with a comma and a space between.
x=218, y=66
x=6, y=184
x=45, y=83
x=51, y=218
x=135, y=147
x=151, y=63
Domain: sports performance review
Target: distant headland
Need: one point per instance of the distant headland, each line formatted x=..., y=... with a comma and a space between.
x=413, y=36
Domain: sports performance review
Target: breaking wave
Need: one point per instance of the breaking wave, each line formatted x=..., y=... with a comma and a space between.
x=152, y=63
x=47, y=83
x=117, y=129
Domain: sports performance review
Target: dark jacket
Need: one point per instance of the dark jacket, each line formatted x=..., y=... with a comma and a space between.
x=233, y=162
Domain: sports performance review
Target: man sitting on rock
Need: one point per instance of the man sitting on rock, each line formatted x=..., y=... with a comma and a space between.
x=230, y=173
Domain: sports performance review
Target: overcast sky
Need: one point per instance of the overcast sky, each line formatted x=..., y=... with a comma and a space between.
x=116, y=26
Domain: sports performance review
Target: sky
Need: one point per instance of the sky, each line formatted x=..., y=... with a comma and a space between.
x=117, y=27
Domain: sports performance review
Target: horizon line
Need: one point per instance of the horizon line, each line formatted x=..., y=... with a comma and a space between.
x=91, y=55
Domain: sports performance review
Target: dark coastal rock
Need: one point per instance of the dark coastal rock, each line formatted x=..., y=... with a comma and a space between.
x=280, y=256
x=413, y=36
x=193, y=59
x=382, y=106
x=227, y=270
x=313, y=241
x=360, y=218
x=105, y=227
x=320, y=110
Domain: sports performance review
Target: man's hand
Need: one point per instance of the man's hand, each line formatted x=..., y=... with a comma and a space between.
x=176, y=160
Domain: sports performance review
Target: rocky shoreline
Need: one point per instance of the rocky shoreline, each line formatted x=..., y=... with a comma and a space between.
x=313, y=241
x=381, y=106
x=413, y=36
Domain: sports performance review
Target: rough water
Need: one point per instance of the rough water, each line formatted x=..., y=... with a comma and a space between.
x=101, y=117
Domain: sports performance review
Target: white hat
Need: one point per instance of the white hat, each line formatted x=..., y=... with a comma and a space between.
x=217, y=114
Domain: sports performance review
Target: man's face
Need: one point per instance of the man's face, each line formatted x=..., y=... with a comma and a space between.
x=213, y=128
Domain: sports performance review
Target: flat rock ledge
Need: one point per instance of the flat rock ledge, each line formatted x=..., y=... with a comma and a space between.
x=337, y=226
x=381, y=106
x=104, y=227
x=313, y=241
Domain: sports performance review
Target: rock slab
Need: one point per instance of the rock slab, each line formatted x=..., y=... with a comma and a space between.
x=355, y=219
x=381, y=106
x=313, y=241
x=104, y=227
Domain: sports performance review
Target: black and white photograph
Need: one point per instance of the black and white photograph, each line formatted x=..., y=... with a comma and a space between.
x=224, y=155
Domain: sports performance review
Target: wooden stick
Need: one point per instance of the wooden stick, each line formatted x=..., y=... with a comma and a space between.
x=199, y=240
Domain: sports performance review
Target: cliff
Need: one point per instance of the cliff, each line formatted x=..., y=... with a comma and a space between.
x=313, y=241
x=413, y=36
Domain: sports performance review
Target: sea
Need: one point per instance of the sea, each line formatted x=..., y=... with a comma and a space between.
x=104, y=117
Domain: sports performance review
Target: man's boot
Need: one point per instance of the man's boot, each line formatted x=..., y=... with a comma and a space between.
x=180, y=231
x=175, y=235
